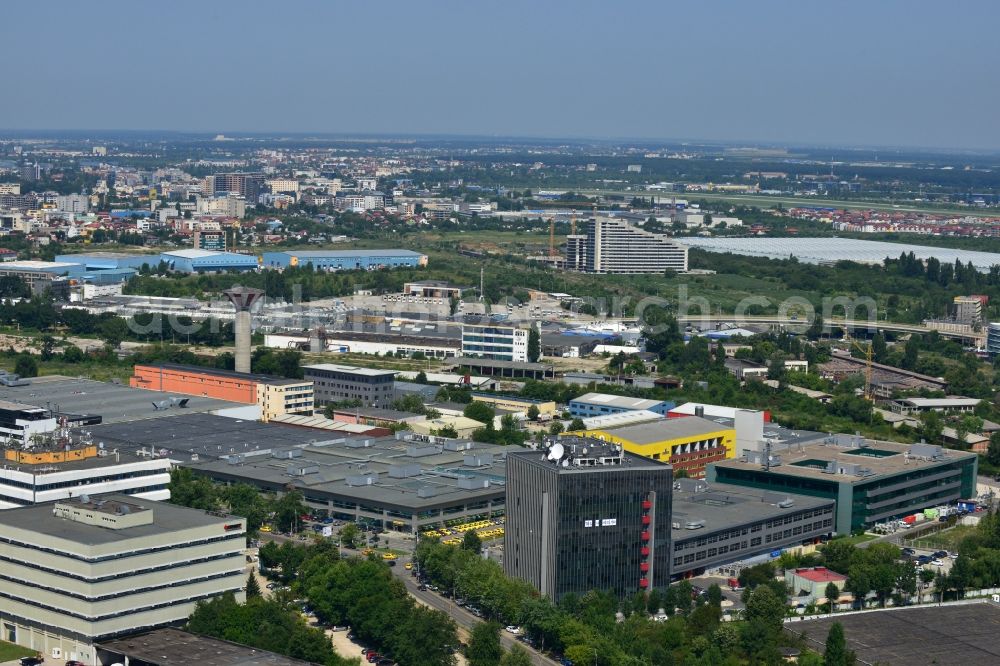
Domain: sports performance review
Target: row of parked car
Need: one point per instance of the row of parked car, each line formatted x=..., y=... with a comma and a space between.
x=936, y=559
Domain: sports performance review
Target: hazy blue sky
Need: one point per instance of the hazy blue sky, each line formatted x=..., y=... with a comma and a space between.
x=876, y=72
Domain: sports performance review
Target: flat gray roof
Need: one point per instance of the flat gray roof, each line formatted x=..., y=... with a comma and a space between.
x=167, y=518
x=881, y=458
x=113, y=402
x=173, y=647
x=618, y=401
x=573, y=448
x=335, y=454
x=947, y=635
x=724, y=506
x=657, y=431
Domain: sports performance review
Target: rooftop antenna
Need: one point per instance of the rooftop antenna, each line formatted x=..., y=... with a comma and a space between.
x=482, y=294
x=767, y=455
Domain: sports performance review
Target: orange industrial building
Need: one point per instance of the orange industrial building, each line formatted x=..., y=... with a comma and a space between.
x=276, y=396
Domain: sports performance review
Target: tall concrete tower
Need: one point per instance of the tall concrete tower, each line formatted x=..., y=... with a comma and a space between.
x=243, y=298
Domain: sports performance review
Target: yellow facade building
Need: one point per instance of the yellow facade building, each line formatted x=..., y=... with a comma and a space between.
x=688, y=443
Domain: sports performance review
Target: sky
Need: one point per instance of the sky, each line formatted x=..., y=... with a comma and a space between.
x=908, y=73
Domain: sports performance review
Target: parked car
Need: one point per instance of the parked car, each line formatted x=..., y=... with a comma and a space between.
x=32, y=661
x=511, y=629
x=937, y=563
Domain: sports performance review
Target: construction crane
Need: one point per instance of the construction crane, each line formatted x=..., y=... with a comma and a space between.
x=572, y=223
x=868, y=352
x=552, y=236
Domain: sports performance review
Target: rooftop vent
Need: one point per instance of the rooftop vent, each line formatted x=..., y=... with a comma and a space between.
x=403, y=471
x=362, y=479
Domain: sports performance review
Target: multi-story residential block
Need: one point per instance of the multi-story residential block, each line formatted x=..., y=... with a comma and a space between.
x=278, y=185
x=615, y=246
x=586, y=515
x=247, y=185
x=90, y=568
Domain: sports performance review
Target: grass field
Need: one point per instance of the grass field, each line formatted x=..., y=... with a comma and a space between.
x=9, y=651
x=945, y=539
x=855, y=539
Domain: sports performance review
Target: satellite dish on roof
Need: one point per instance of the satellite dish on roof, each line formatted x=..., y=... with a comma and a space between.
x=556, y=452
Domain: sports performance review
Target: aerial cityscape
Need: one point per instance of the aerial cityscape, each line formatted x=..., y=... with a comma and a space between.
x=533, y=335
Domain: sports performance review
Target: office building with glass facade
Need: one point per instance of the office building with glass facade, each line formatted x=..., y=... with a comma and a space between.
x=871, y=481
x=587, y=515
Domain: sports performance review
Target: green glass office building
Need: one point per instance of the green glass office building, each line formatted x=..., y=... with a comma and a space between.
x=872, y=482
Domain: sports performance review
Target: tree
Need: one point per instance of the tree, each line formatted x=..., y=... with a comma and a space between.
x=113, y=331
x=479, y=411
x=349, y=534
x=534, y=345
x=932, y=427
x=26, y=366
x=517, y=656
x=72, y=354
x=447, y=431
x=832, y=593
x=533, y=413
x=48, y=344
x=253, y=587
x=576, y=425
x=765, y=606
x=287, y=510
x=836, y=653
x=715, y=595
x=557, y=428
x=910, y=353
x=484, y=645
x=879, y=349
x=471, y=542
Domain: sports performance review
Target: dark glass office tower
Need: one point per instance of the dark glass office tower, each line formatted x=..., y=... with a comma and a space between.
x=582, y=514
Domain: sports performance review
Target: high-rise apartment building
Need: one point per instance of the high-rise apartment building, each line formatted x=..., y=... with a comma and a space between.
x=586, y=515
x=248, y=185
x=615, y=246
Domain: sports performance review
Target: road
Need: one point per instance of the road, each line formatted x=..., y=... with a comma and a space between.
x=461, y=616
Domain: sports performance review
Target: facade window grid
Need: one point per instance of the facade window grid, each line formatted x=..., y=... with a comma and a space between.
x=125, y=574
x=130, y=611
